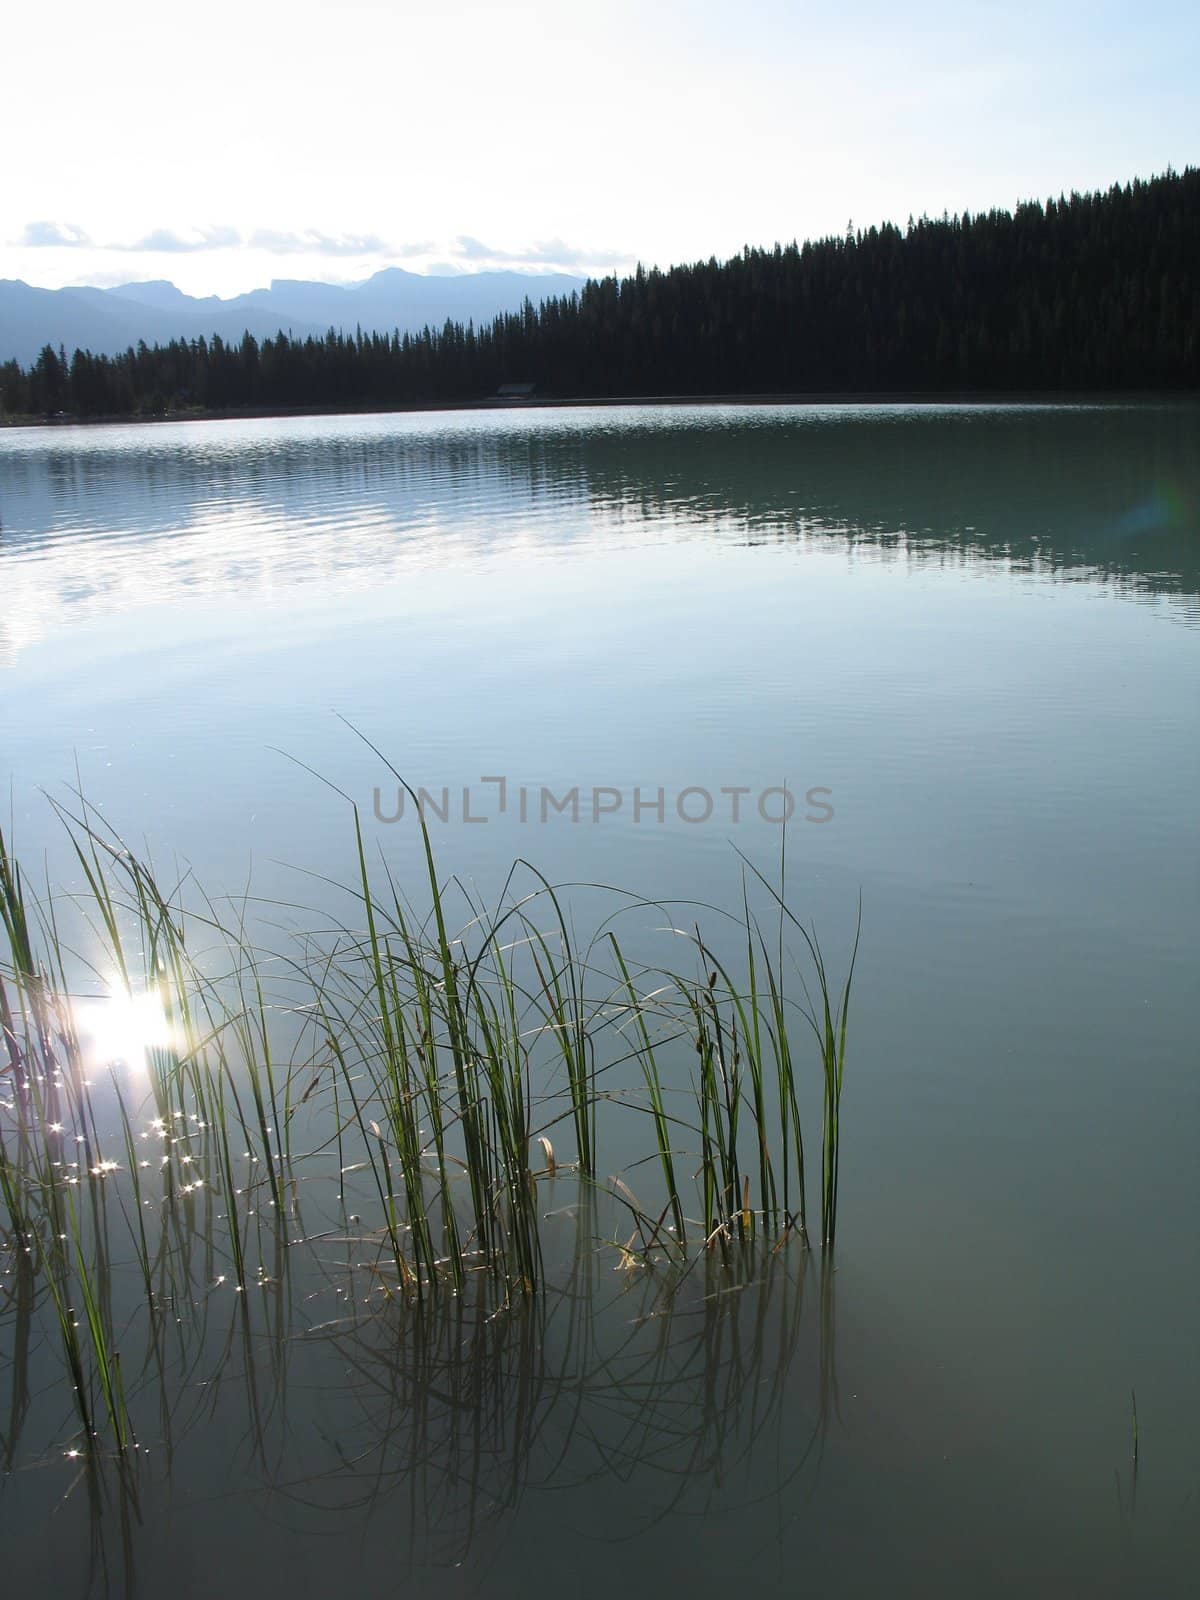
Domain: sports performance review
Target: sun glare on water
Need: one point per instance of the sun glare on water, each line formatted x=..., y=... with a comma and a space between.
x=121, y=1028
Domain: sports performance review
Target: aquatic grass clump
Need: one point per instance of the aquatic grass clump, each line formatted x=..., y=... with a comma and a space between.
x=452, y=1060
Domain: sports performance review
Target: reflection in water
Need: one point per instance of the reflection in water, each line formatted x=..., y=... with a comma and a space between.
x=417, y=1436
x=98, y=520
x=667, y=1398
x=121, y=1027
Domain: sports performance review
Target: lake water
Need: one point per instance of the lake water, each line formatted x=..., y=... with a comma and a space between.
x=966, y=640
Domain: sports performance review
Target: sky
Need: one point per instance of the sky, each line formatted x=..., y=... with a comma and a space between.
x=224, y=145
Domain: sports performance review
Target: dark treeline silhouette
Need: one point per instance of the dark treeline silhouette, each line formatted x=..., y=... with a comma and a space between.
x=1098, y=291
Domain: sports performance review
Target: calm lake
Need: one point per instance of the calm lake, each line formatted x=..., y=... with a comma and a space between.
x=961, y=647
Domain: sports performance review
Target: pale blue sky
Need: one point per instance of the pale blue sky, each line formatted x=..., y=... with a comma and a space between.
x=226, y=144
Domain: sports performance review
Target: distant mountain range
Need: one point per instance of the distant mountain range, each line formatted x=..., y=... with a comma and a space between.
x=106, y=321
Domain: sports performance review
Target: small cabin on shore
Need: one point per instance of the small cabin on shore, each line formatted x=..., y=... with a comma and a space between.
x=516, y=391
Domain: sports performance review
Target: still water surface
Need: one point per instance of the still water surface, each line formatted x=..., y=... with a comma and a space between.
x=968, y=641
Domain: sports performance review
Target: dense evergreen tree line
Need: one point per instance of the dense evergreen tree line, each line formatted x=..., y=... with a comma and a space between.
x=1092, y=292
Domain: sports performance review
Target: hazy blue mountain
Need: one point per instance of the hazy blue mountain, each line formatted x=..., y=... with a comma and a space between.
x=106, y=321
x=394, y=298
x=163, y=295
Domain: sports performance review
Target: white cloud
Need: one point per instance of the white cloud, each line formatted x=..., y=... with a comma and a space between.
x=311, y=242
x=545, y=254
x=53, y=236
x=169, y=241
x=255, y=252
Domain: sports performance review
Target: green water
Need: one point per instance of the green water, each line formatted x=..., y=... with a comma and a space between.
x=968, y=641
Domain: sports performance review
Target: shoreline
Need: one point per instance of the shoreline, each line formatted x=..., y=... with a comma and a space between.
x=955, y=397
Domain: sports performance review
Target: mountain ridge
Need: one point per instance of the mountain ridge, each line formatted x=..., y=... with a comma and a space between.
x=109, y=321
